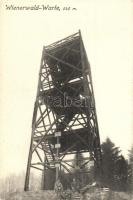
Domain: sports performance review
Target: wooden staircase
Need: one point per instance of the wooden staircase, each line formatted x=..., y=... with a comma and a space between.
x=49, y=155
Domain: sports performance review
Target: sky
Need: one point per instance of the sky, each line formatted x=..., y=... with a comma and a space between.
x=106, y=28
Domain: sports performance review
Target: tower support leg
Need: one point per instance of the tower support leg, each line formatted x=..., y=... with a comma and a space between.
x=27, y=178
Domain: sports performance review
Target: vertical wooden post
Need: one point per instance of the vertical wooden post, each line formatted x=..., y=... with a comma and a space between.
x=57, y=146
x=27, y=177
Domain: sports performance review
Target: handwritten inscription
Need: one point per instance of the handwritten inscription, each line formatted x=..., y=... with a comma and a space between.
x=40, y=7
x=48, y=7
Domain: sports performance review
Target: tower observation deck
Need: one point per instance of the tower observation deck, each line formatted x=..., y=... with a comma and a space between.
x=64, y=118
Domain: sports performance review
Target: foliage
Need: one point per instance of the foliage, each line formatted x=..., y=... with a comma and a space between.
x=130, y=170
x=114, y=166
x=15, y=183
x=121, y=174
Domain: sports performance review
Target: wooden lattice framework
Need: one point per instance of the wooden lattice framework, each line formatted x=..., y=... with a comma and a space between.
x=64, y=103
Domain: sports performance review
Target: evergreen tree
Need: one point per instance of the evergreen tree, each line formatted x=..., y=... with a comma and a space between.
x=130, y=170
x=110, y=156
x=121, y=173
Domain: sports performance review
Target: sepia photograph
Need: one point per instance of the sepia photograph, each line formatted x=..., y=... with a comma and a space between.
x=66, y=100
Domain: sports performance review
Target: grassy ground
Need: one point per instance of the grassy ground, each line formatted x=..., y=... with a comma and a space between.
x=50, y=195
x=36, y=195
x=107, y=196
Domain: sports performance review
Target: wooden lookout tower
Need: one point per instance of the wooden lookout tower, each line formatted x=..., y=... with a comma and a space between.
x=64, y=118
